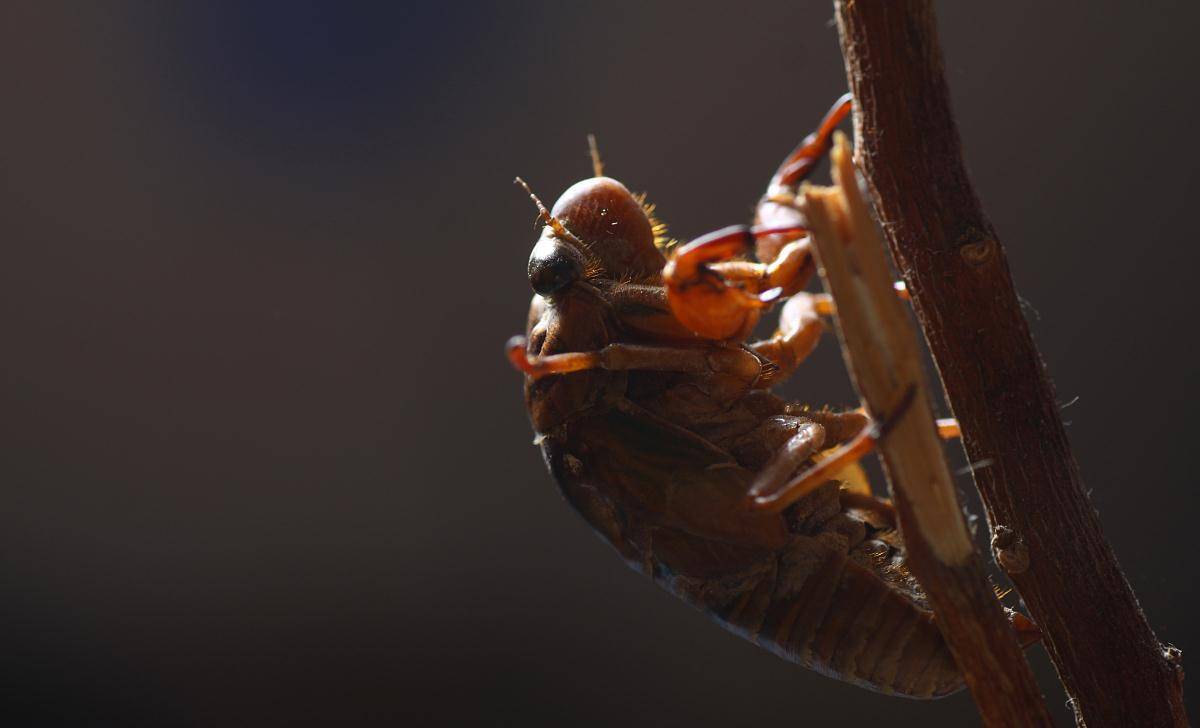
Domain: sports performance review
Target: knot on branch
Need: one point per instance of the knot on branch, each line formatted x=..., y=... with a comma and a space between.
x=978, y=252
x=1010, y=551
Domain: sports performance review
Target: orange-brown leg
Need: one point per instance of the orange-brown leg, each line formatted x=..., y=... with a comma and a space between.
x=734, y=361
x=721, y=298
x=770, y=494
x=800, y=329
x=778, y=206
x=800, y=163
x=798, y=449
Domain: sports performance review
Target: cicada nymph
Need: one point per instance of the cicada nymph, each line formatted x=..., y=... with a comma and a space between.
x=656, y=417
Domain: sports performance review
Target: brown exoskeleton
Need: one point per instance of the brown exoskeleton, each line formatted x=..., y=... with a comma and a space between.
x=656, y=419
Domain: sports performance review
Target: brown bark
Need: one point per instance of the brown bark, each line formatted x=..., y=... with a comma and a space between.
x=880, y=345
x=1045, y=532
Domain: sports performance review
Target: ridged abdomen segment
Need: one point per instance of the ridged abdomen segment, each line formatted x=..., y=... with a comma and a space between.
x=845, y=616
x=821, y=587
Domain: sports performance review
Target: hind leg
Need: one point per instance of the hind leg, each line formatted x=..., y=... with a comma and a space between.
x=774, y=494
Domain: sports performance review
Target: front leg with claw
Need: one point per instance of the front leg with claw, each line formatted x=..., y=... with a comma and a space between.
x=718, y=295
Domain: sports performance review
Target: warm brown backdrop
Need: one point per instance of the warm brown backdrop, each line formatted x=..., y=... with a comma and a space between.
x=263, y=462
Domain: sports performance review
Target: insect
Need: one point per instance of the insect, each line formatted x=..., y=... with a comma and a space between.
x=656, y=419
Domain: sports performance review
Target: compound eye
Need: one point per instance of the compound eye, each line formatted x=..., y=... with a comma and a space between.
x=552, y=270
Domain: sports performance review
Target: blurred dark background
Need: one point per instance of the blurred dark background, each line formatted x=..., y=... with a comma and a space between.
x=263, y=461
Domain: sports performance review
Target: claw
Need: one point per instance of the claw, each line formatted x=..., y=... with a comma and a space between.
x=725, y=304
x=715, y=295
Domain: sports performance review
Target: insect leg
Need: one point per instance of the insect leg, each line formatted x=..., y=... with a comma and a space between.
x=773, y=496
x=715, y=296
x=804, y=442
x=800, y=163
x=790, y=270
x=800, y=328
x=618, y=357
x=721, y=300
x=948, y=429
x=778, y=206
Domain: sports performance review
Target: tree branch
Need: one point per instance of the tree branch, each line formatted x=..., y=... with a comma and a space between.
x=880, y=346
x=1045, y=533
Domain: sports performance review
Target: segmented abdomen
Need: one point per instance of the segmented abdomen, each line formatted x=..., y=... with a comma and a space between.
x=846, y=616
x=821, y=587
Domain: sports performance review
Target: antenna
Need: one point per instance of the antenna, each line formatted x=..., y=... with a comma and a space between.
x=594, y=150
x=544, y=214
